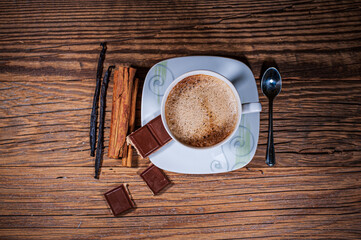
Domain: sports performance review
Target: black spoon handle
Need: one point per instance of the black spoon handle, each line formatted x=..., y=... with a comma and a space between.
x=270, y=155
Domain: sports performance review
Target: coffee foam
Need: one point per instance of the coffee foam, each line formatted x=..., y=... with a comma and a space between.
x=201, y=110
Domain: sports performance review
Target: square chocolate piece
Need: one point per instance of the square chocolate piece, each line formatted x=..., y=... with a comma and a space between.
x=149, y=138
x=119, y=200
x=157, y=128
x=155, y=178
x=143, y=141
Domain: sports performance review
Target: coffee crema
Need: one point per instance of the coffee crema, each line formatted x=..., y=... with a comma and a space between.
x=201, y=110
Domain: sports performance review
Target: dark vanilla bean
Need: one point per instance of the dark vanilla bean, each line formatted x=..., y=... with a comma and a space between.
x=94, y=113
x=99, y=154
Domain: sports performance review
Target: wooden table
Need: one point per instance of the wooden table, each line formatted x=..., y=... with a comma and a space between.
x=48, y=59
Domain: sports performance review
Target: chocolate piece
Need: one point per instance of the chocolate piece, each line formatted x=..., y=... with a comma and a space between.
x=144, y=141
x=119, y=200
x=149, y=138
x=158, y=130
x=155, y=178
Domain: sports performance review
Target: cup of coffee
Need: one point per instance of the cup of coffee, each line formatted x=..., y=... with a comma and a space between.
x=202, y=109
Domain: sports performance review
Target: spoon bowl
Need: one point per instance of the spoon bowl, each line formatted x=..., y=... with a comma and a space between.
x=271, y=85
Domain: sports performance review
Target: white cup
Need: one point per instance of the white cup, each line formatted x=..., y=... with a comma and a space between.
x=242, y=108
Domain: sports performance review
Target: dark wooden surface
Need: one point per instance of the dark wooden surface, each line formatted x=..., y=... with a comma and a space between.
x=48, y=59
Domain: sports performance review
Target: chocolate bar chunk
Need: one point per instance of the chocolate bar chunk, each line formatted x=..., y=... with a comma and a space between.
x=155, y=178
x=143, y=141
x=119, y=200
x=158, y=130
x=149, y=138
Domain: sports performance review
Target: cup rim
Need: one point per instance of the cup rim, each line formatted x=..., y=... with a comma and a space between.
x=205, y=72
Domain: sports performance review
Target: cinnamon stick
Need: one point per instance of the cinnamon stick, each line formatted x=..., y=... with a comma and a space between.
x=122, y=90
x=128, y=159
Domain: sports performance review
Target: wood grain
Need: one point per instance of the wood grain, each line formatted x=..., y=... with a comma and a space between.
x=48, y=58
x=250, y=202
x=315, y=125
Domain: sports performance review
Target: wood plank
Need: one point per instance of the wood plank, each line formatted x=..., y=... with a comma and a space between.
x=282, y=202
x=49, y=121
x=304, y=37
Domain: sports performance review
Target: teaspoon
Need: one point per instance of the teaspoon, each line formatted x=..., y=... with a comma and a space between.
x=271, y=84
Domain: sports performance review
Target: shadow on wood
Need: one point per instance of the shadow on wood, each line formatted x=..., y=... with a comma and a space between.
x=267, y=63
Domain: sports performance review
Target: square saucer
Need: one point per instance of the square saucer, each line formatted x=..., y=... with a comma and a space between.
x=238, y=151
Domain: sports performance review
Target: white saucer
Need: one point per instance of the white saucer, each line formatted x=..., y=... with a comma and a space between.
x=235, y=153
